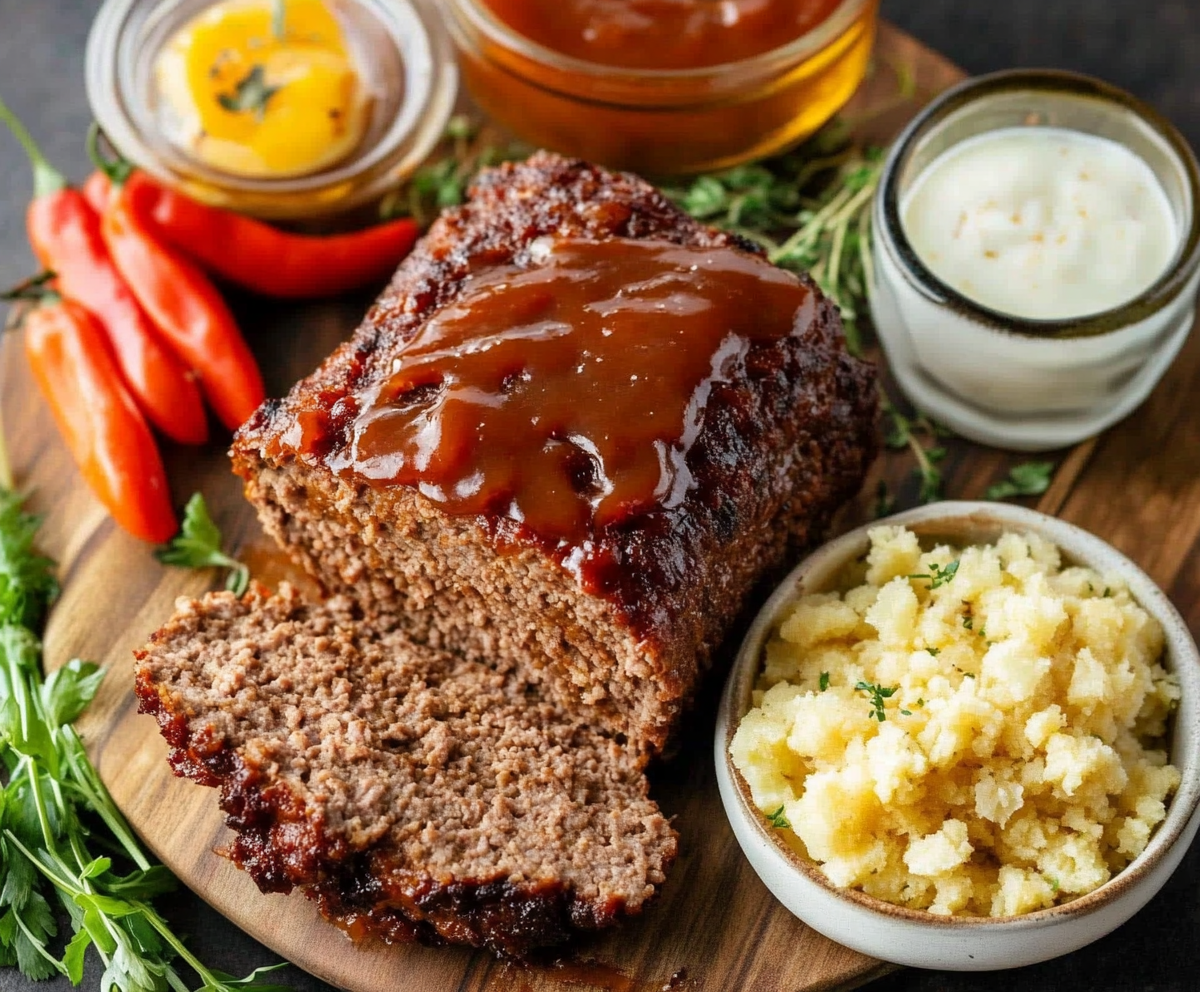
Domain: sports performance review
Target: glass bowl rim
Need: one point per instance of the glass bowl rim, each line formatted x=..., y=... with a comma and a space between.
x=732, y=74
x=1165, y=290
x=367, y=167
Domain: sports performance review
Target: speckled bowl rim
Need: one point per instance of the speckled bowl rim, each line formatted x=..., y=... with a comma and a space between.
x=974, y=521
x=1073, y=85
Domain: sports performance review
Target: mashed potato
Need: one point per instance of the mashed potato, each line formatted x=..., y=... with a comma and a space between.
x=974, y=731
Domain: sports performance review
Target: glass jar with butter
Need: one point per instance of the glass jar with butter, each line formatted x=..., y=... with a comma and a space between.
x=1037, y=257
x=285, y=109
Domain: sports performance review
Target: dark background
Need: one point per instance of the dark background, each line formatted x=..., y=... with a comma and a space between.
x=1151, y=47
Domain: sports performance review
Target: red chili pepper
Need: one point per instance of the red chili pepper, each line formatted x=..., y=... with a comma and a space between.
x=185, y=306
x=65, y=234
x=108, y=437
x=269, y=261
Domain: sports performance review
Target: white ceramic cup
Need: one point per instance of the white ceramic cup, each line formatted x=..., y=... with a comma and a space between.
x=1030, y=385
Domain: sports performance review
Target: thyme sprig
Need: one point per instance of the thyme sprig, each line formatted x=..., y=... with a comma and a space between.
x=902, y=431
x=938, y=575
x=443, y=182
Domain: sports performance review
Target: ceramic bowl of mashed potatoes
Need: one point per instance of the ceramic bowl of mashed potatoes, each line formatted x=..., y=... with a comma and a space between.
x=966, y=737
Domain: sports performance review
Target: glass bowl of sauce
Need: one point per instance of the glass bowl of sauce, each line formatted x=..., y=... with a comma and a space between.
x=285, y=109
x=1037, y=257
x=663, y=86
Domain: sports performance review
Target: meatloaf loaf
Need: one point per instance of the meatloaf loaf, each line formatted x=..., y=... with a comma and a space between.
x=415, y=794
x=626, y=620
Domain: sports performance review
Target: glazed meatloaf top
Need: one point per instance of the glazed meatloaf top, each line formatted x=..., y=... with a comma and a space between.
x=786, y=398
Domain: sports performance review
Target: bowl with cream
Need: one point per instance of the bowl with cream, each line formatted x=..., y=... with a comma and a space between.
x=1037, y=257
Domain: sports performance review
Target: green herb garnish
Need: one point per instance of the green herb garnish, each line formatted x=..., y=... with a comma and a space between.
x=198, y=545
x=902, y=432
x=1026, y=479
x=934, y=652
x=251, y=95
x=885, y=502
x=823, y=682
x=63, y=842
x=778, y=820
x=906, y=712
x=939, y=576
x=27, y=583
x=878, y=694
x=444, y=181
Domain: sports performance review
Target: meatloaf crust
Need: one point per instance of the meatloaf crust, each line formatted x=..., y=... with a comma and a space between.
x=413, y=794
x=782, y=446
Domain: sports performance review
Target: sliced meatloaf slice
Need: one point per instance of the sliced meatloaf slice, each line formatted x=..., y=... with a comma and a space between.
x=415, y=794
x=783, y=441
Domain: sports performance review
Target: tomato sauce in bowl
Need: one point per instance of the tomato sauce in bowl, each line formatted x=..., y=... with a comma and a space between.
x=662, y=34
x=663, y=87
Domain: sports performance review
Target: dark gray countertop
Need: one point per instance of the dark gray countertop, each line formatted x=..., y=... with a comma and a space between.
x=1151, y=47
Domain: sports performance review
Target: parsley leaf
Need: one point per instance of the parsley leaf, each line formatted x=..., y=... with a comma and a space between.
x=878, y=695
x=50, y=789
x=27, y=583
x=67, y=692
x=1026, y=479
x=250, y=95
x=824, y=681
x=939, y=576
x=198, y=545
x=778, y=820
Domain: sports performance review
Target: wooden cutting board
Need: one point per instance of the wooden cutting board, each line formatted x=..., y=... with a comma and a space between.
x=716, y=927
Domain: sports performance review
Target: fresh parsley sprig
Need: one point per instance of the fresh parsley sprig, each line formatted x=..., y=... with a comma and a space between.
x=27, y=583
x=198, y=545
x=56, y=814
x=1026, y=479
x=938, y=575
x=878, y=695
x=778, y=820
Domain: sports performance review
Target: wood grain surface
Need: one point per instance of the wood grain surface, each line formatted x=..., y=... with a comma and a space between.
x=716, y=927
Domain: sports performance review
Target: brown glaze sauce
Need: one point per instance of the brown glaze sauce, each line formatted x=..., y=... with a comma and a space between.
x=562, y=399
